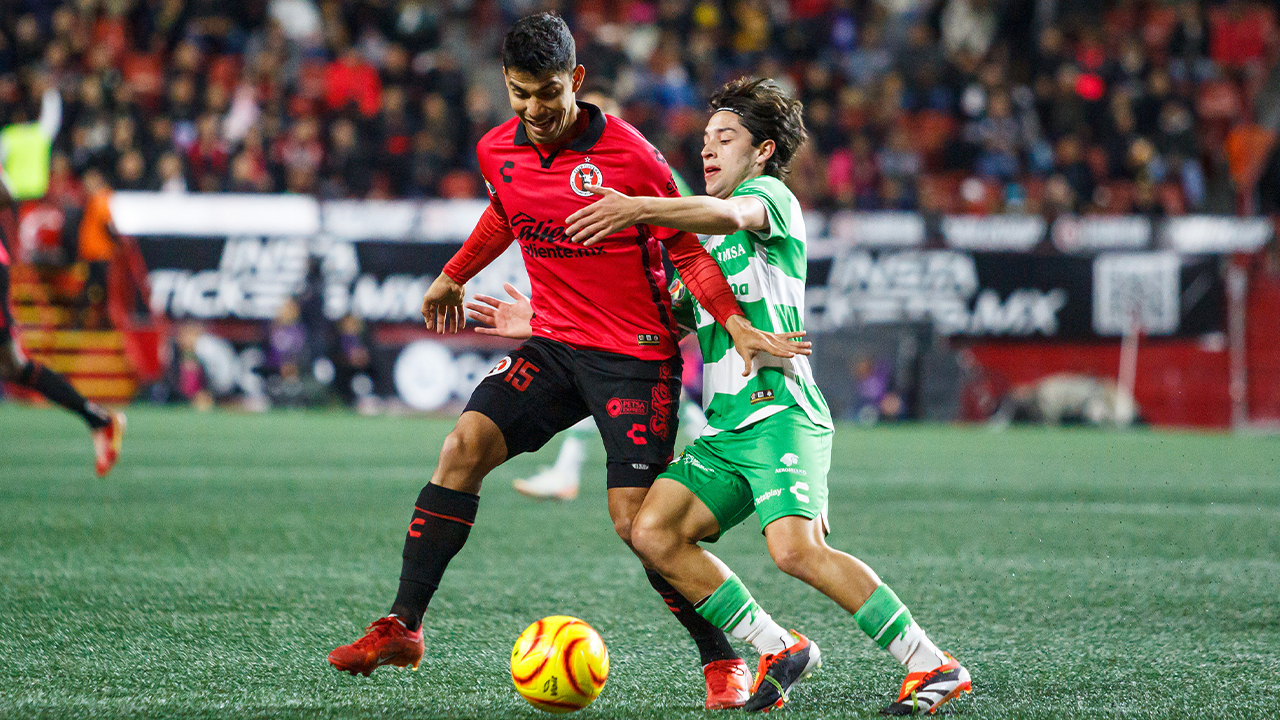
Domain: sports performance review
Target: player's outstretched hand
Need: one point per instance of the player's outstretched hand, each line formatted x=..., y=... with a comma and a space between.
x=611, y=213
x=502, y=318
x=442, y=305
x=749, y=340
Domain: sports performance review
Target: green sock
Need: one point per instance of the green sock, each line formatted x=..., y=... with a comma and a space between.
x=888, y=622
x=732, y=609
x=883, y=617
x=726, y=607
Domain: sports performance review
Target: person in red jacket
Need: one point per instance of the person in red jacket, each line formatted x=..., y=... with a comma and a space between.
x=350, y=79
x=603, y=345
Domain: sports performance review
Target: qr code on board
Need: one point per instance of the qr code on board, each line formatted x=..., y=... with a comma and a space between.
x=1139, y=288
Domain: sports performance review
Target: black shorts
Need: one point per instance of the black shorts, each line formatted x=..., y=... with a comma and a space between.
x=544, y=387
x=7, y=330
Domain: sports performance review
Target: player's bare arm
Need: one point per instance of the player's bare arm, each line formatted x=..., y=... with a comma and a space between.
x=616, y=211
x=511, y=320
x=700, y=214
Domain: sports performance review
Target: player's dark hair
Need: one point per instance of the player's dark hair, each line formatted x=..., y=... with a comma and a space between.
x=768, y=114
x=538, y=45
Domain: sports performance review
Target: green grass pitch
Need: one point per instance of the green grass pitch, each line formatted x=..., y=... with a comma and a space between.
x=1078, y=574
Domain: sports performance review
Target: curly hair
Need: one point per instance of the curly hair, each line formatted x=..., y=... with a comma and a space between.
x=768, y=114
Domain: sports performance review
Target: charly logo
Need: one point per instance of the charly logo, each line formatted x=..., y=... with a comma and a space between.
x=584, y=175
x=797, y=491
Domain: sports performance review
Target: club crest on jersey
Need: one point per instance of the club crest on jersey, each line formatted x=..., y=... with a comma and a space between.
x=584, y=175
x=502, y=366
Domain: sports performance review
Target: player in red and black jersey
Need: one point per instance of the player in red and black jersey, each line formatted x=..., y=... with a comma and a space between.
x=107, y=427
x=604, y=338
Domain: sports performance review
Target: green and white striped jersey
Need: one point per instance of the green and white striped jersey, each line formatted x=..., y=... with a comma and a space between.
x=767, y=274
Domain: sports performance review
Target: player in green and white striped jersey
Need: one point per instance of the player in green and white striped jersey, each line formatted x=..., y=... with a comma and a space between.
x=767, y=446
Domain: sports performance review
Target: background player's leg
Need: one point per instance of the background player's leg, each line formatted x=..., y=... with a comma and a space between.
x=106, y=427
x=28, y=373
x=562, y=479
x=692, y=419
x=445, y=510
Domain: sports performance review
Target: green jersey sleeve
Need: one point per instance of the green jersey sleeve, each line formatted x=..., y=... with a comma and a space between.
x=777, y=205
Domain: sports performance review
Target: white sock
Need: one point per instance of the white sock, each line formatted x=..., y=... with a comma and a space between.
x=765, y=635
x=915, y=650
x=572, y=453
x=574, y=450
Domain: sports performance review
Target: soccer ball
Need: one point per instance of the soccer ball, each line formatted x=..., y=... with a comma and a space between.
x=559, y=664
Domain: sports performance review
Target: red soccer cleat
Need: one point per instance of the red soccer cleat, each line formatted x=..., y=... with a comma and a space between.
x=728, y=684
x=106, y=444
x=386, y=642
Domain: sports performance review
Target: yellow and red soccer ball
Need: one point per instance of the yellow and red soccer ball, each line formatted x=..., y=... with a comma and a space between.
x=559, y=664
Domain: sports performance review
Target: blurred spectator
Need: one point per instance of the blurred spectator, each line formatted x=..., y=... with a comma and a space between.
x=96, y=248
x=353, y=378
x=186, y=378
x=170, y=175
x=350, y=80
x=288, y=362
x=207, y=161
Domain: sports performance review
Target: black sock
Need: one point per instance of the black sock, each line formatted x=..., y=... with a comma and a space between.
x=55, y=387
x=713, y=644
x=442, y=520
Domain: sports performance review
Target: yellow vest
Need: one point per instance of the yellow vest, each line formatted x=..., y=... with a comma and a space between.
x=26, y=160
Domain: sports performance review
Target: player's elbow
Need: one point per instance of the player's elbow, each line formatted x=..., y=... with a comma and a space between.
x=732, y=219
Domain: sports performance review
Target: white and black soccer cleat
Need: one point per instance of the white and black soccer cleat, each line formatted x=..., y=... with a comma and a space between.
x=923, y=693
x=778, y=672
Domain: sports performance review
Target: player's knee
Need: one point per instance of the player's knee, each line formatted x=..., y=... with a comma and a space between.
x=465, y=457
x=648, y=538
x=625, y=527
x=795, y=557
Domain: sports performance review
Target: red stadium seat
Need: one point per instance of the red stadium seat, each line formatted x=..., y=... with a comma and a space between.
x=224, y=70
x=459, y=185
x=1115, y=197
x=1218, y=100
x=1158, y=27
x=1171, y=198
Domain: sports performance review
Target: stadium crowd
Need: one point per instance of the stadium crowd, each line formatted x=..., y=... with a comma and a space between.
x=934, y=105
